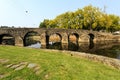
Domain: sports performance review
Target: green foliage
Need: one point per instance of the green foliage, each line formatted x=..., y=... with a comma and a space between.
x=87, y=18
x=44, y=24
x=115, y=23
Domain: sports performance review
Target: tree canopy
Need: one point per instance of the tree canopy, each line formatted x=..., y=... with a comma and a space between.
x=89, y=18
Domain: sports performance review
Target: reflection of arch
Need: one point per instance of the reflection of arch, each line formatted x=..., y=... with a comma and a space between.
x=91, y=45
x=7, y=39
x=27, y=37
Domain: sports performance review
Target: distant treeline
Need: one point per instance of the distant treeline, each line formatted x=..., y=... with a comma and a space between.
x=11, y=27
x=89, y=18
x=6, y=27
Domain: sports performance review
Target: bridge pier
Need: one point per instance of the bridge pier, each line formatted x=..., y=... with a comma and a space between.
x=18, y=41
x=64, y=42
x=43, y=40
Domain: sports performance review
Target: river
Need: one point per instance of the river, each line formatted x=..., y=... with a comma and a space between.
x=109, y=49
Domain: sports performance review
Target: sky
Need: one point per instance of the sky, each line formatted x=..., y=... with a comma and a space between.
x=29, y=13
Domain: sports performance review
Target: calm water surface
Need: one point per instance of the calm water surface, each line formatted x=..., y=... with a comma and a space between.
x=109, y=49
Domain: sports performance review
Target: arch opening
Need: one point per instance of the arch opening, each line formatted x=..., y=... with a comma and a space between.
x=54, y=41
x=32, y=39
x=7, y=39
x=73, y=42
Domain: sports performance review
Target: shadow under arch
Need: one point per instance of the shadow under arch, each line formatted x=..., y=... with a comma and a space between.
x=73, y=42
x=30, y=38
x=91, y=42
x=7, y=39
x=54, y=41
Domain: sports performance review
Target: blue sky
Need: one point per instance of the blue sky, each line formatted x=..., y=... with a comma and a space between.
x=13, y=12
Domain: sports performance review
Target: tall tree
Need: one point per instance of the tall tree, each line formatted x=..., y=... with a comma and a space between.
x=115, y=23
x=90, y=18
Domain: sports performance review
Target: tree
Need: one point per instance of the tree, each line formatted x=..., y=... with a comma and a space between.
x=115, y=23
x=44, y=24
x=90, y=18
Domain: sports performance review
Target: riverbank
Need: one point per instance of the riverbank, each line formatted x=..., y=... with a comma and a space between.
x=20, y=63
x=115, y=63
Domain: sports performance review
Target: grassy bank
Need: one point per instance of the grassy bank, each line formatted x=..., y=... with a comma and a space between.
x=50, y=65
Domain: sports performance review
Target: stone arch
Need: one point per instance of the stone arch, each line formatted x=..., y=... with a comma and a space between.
x=56, y=36
x=7, y=39
x=73, y=41
x=54, y=41
x=29, y=35
x=74, y=37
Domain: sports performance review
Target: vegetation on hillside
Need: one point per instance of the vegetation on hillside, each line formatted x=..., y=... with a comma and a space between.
x=17, y=63
x=87, y=18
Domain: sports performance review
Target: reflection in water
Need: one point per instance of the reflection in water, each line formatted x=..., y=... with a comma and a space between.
x=105, y=49
x=36, y=45
x=55, y=45
x=7, y=39
x=91, y=41
x=109, y=52
x=91, y=45
x=73, y=46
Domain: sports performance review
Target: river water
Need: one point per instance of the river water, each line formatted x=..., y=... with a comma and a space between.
x=109, y=49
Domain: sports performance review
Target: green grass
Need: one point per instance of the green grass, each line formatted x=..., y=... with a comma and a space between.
x=53, y=66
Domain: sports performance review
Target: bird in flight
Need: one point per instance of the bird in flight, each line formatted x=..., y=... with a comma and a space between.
x=26, y=11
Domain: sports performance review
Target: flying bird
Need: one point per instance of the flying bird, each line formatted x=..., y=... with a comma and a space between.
x=26, y=11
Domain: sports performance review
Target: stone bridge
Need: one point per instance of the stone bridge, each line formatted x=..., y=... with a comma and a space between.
x=20, y=34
